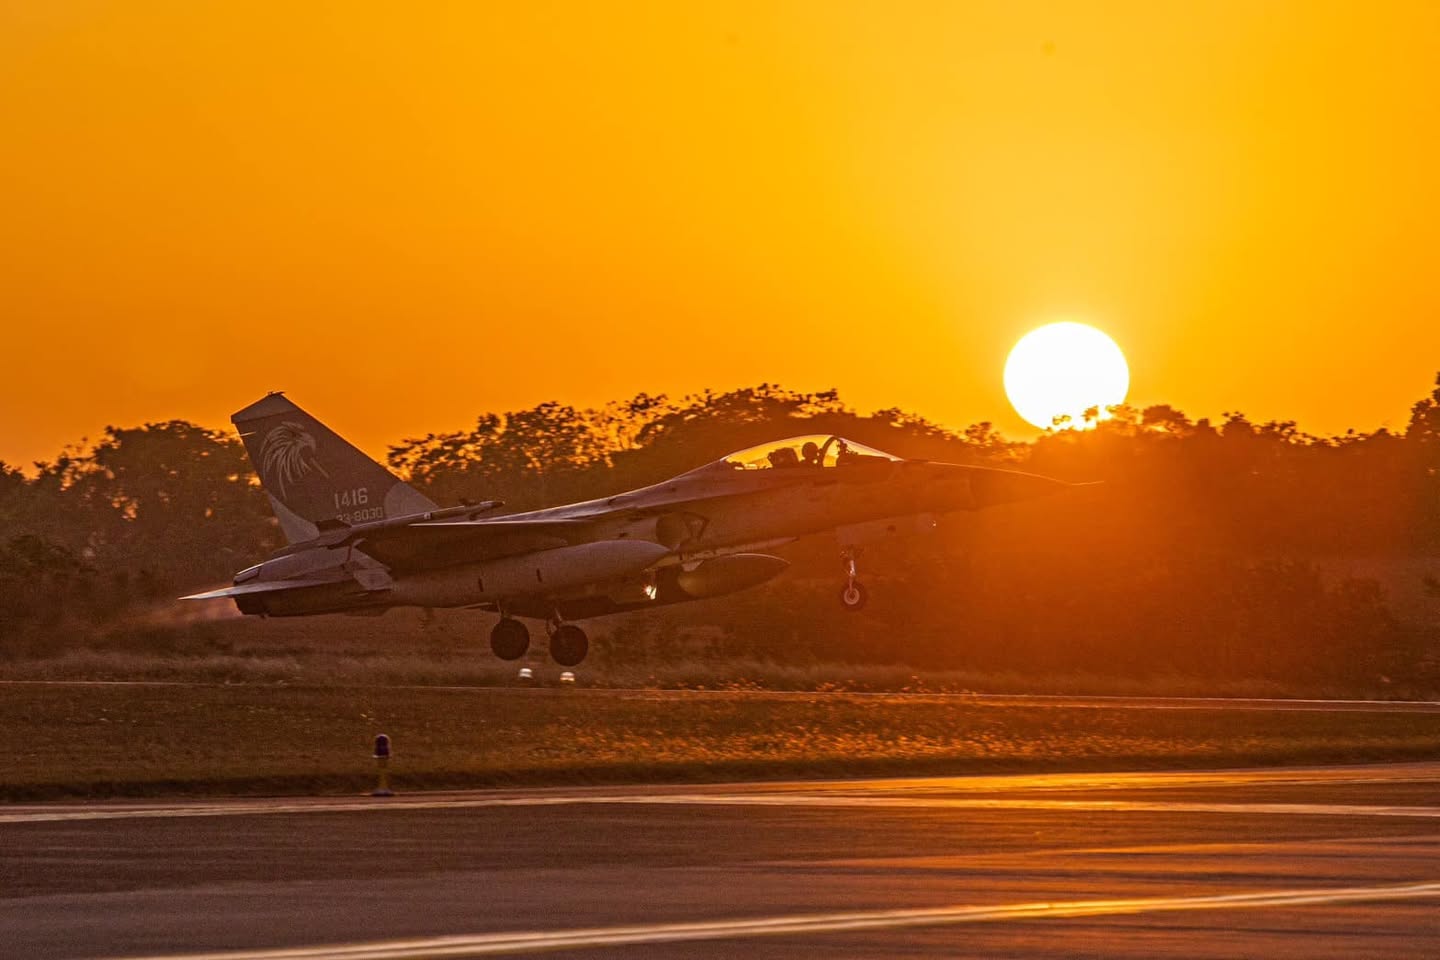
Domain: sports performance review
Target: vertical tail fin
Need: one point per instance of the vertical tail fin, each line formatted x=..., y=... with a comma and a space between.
x=312, y=474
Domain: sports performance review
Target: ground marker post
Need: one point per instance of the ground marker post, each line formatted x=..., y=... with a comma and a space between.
x=382, y=762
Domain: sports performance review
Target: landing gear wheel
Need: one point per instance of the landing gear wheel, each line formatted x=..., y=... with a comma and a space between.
x=509, y=639
x=854, y=596
x=568, y=645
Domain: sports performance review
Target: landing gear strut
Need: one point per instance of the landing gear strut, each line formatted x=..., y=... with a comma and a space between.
x=568, y=643
x=509, y=639
x=853, y=596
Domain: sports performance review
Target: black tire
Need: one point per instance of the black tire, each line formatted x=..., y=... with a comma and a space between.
x=568, y=645
x=854, y=596
x=509, y=639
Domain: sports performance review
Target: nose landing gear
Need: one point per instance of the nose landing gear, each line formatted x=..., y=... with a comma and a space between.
x=853, y=596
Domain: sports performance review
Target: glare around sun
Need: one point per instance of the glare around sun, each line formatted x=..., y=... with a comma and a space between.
x=1063, y=369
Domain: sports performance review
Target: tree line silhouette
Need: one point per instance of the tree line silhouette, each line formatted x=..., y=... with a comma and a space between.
x=1212, y=549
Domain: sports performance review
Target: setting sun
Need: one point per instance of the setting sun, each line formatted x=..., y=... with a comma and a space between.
x=1062, y=370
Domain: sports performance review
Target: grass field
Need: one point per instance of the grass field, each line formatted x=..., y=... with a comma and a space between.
x=245, y=706
x=77, y=740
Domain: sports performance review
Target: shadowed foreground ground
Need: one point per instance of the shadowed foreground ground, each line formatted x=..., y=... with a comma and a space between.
x=1299, y=863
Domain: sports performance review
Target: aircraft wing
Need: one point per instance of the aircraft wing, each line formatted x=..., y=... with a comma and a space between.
x=437, y=543
x=500, y=524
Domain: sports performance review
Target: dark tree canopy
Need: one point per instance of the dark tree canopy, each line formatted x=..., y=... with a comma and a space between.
x=1211, y=549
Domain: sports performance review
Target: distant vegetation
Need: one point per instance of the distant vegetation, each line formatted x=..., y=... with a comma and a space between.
x=1218, y=551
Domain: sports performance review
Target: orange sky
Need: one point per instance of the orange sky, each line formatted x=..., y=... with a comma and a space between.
x=406, y=214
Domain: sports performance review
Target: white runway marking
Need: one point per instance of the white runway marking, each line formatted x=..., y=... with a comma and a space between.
x=1122, y=806
x=246, y=808
x=490, y=944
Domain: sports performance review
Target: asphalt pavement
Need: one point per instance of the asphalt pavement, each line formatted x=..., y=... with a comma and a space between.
x=1313, y=862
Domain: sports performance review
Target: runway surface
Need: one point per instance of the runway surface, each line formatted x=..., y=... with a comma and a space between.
x=1315, y=862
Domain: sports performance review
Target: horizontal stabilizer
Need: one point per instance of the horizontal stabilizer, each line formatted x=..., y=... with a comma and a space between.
x=266, y=586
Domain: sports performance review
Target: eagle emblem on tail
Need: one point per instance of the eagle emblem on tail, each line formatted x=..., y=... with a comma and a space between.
x=287, y=456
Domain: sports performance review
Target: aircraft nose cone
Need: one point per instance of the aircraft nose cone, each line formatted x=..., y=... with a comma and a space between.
x=991, y=487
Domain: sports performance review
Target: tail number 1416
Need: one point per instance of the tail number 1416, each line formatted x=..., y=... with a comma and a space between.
x=358, y=497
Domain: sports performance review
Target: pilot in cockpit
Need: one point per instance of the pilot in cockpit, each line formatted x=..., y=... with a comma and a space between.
x=810, y=453
x=783, y=457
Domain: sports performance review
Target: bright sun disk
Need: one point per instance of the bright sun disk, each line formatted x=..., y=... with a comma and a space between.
x=1063, y=369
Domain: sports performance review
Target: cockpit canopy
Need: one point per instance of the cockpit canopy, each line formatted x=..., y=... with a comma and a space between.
x=813, y=451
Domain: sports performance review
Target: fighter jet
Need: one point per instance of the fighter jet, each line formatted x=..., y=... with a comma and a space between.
x=362, y=541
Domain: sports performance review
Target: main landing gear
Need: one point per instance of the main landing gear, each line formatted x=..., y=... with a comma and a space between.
x=511, y=640
x=853, y=596
x=568, y=643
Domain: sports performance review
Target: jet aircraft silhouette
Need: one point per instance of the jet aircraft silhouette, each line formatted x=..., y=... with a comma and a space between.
x=362, y=541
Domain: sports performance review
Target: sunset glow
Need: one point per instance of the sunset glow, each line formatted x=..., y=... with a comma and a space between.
x=480, y=207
